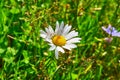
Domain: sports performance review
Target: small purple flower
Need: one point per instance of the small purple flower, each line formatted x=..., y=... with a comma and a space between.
x=111, y=31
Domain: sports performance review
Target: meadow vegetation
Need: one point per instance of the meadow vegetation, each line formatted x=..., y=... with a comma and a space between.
x=24, y=55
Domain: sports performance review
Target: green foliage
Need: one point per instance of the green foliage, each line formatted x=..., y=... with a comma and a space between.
x=25, y=56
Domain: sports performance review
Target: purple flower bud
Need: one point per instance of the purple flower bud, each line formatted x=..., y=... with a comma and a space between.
x=108, y=39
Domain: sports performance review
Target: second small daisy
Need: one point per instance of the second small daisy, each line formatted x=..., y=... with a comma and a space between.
x=61, y=38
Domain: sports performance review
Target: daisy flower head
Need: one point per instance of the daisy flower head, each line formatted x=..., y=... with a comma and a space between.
x=61, y=38
x=111, y=31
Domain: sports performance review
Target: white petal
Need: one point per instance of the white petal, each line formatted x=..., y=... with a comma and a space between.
x=60, y=30
x=66, y=29
x=47, y=30
x=60, y=49
x=57, y=27
x=56, y=53
x=48, y=40
x=43, y=34
x=69, y=46
x=61, y=27
x=66, y=47
x=71, y=35
x=73, y=40
x=51, y=29
x=72, y=45
x=52, y=47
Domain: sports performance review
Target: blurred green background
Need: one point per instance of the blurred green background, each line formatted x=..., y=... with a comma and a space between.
x=25, y=56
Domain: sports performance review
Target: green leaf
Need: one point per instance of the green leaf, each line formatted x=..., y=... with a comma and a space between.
x=2, y=50
x=15, y=10
x=74, y=76
x=26, y=57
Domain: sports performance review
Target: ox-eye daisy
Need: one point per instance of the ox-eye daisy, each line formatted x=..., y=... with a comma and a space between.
x=61, y=38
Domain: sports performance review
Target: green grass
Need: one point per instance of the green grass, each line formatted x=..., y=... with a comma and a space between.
x=24, y=55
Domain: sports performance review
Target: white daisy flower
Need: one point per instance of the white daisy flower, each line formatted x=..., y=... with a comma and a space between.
x=61, y=38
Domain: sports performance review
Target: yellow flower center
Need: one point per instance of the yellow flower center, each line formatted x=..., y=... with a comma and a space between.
x=59, y=40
